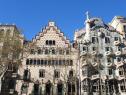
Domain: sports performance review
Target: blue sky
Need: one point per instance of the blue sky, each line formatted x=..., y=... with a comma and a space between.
x=32, y=15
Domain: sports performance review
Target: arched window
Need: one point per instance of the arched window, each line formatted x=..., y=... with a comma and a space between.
x=119, y=48
x=39, y=51
x=94, y=48
x=71, y=73
x=31, y=61
x=35, y=62
x=67, y=52
x=60, y=62
x=50, y=42
x=54, y=42
x=116, y=38
x=118, y=59
x=32, y=51
x=94, y=40
x=41, y=62
x=45, y=62
x=47, y=42
x=61, y=52
x=38, y=61
x=107, y=48
x=107, y=40
x=49, y=62
x=56, y=73
x=71, y=62
x=67, y=62
x=46, y=51
x=53, y=62
x=26, y=74
x=53, y=51
x=27, y=62
x=42, y=73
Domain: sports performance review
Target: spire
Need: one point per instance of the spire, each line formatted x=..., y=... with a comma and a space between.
x=87, y=15
x=87, y=26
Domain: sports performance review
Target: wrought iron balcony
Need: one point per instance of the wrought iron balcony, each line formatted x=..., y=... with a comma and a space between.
x=116, y=42
x=110, y=64
x=84, y=77
x=11, y=91
x=83, y=53
x=120, y=77
x=84, y=64
x=95, y=77
x=93, y=52
x=94, y=64
x=108, y=53
x=118, y=53
x=14, y=75
x=118, y=64
x=110, y=76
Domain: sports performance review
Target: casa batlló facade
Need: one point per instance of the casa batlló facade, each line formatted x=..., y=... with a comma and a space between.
x=102, y=58
x=94, y=64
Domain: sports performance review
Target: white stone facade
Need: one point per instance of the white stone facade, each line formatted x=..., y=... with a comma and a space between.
x=102, y=59
x=95, y=64
x=51, y=58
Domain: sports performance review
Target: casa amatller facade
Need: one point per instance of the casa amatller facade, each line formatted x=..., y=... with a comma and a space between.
x=94, y=64
x=50, y=67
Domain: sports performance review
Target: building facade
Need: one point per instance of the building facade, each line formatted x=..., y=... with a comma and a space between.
x=49, y=66
x=102, y=58
x=11, y=44
x=95, y=64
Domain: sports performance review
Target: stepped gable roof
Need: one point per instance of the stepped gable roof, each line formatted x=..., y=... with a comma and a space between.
x=44, y=31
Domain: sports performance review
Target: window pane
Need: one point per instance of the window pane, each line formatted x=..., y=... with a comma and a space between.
x=47, y=42
x=38, y=62
x=56, y=74
x=27, y=62
x=39, y=51
x=50, y=42
x=53, y=51
x=42, y=73
x=53, y=42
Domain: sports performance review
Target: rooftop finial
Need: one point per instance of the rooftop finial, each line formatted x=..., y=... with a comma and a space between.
x=87, y=15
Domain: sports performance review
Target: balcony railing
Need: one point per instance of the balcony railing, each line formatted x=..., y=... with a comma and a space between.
x=95, y=77
x=11, y=91
x=94, y=64
x=116, y=42
x=83, y=53
x=14, y=75
x=110, y=76
x=108, y=53
x=117, y=53
x=94, y=53
x=109, y=64
x=120, y=77
x=118, y=64
x=84, y=77
x=123, y=51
